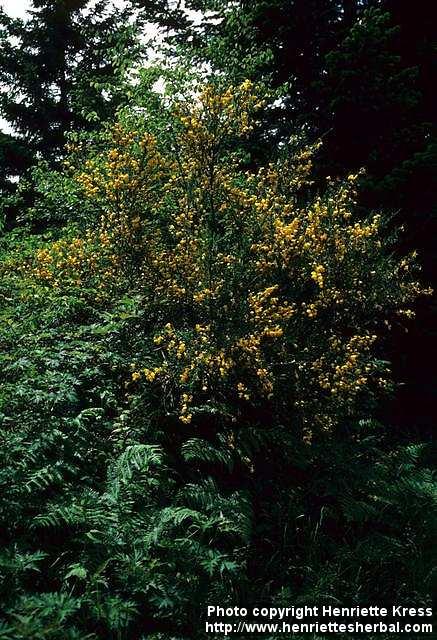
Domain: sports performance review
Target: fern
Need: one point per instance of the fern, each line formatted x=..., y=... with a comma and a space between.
x=202, y=451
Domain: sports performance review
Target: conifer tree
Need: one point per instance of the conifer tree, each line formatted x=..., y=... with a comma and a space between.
x=60, y=70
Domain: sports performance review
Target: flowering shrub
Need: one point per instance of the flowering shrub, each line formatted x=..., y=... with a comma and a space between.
x=185, y=368
x=257, y=294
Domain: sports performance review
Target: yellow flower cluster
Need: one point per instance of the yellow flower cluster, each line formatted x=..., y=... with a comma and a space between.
x=349, y=370
x=252, y=294
x=317, y=274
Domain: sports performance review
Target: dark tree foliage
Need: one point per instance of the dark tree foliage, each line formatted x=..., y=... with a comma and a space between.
x=165, y=13
x=14, y=156
x=378, y=78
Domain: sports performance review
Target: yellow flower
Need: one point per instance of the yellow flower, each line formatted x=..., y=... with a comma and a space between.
x=181, y=350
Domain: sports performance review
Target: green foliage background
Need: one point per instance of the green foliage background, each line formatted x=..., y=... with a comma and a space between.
x=115, y=523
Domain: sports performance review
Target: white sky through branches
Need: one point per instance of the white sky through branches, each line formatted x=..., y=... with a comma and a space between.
x=15, y=8
x=18, y=8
